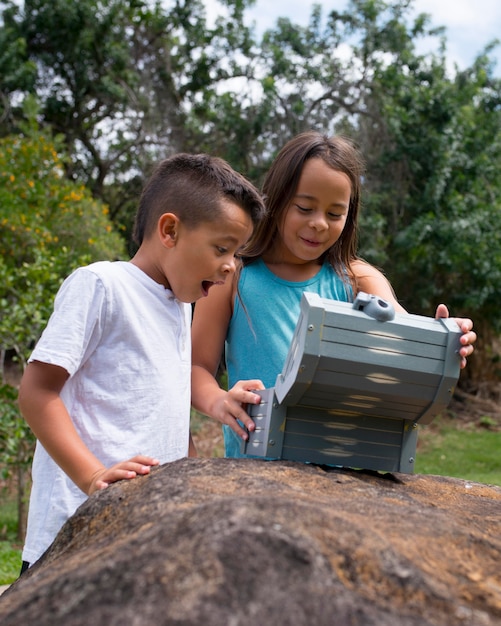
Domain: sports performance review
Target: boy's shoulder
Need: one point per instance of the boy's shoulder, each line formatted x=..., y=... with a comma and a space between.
x=89, y=277
x=111, y=279
x=102, y=267
x=104, y=270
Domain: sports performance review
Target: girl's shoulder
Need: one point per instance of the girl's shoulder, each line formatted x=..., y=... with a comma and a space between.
x=363, y=269
x=368, y=278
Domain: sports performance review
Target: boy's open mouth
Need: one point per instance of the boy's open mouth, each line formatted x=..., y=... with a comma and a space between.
x=207, y=284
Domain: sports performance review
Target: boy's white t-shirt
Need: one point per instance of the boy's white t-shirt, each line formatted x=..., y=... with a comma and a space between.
x=125, y=341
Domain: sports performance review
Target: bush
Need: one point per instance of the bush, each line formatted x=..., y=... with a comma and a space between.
x=49, y=225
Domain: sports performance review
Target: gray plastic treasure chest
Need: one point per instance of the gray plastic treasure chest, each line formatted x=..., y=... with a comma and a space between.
x=357, y=380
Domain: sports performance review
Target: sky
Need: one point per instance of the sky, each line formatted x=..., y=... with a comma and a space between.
x=470, y=24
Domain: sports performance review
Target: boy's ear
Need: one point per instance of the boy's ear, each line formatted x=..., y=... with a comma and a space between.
x=168, y=229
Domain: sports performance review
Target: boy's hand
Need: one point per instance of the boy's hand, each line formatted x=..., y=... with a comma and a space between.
x=230, y=406
x=468, y=337
x=138, y=465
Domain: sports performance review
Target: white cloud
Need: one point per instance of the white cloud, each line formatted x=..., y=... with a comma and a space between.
x=471, y=14
x=470, y=24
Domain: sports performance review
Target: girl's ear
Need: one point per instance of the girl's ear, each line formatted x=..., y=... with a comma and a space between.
x=168, y=229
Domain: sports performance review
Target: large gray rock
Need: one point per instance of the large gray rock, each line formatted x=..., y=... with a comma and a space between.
x=218, y=542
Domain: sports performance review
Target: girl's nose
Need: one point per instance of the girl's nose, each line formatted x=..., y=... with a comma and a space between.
x=318, y=222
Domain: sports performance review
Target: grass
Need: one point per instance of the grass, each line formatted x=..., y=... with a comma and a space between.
x=469, y=453
x=10, y=551
x=10, y=563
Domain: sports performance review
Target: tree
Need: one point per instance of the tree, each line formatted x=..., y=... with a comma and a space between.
x=161, y=80
x=118, y=80
x=17, y=72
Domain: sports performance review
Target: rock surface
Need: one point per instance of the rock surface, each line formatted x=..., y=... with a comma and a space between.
x=219, y=542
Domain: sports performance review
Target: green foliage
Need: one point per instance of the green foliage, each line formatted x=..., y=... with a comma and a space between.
x=40, y=209
x=49, y=225
x=17, y=444
x=16, y=439
x=17, y=71
x=436, y=179
x=26, y=295
x=118, y=80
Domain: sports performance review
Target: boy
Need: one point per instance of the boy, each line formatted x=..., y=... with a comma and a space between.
x=109, y=379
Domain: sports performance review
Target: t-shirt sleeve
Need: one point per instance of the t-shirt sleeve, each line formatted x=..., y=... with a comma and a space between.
x=75, y=326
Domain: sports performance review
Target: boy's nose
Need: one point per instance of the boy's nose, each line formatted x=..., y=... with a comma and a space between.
x=229, y=265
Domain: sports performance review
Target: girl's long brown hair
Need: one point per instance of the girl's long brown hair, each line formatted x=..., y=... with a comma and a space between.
x=280, y=187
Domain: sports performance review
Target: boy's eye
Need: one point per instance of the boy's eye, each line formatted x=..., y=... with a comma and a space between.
x=221, y=250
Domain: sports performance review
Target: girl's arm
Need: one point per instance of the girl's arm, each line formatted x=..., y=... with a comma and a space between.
x=46, y=414
x=372, y=281
x=211, y=319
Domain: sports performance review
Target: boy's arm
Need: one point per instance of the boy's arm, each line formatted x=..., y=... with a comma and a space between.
x=44, y=411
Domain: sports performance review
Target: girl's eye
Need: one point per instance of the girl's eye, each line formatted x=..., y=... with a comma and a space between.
x=303, y=208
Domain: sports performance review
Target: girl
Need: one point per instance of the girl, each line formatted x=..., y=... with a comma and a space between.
x=307, y=242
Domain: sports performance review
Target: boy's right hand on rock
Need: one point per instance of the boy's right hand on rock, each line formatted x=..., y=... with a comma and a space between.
x=137, y=466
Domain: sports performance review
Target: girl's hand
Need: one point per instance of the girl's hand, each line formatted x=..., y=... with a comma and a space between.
x=230, y=407
x=138, y=465
x=468, y=337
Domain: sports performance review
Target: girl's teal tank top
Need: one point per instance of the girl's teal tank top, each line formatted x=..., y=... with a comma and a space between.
x=260, y=334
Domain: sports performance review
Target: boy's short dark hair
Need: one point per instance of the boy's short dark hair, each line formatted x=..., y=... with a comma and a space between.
x=192, y=187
